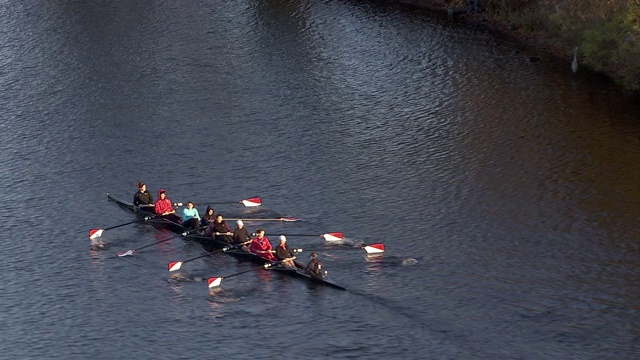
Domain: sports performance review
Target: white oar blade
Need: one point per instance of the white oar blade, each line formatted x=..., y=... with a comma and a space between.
x=126, y=253
x=95, y=233
x=335, y=236
x=252, y=202
x=374, y=248
x=213, y=282
x=288, y=219
x=175, y=266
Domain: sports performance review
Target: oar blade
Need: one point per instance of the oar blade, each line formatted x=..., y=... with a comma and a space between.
x=334, y=236
x=288, y=219
x=374, y=248
x=95, y=233
x=251, y=202
x=126, y=253
x=213, y=282
x=175, y=265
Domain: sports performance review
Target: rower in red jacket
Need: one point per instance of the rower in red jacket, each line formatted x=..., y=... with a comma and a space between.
x=164, y=207
x=261, y=246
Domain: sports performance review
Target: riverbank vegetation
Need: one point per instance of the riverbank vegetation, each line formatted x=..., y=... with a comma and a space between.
x=606, y=33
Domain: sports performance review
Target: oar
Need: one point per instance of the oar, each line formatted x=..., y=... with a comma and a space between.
x=176, y=265
x=250, y=202
x=285, y=219
x=333, y=236
x=133, y=251
x=215, y=281
x=370, y=249
x=96, y=233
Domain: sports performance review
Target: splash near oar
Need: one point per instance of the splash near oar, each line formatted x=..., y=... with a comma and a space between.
x=96, y=233
x=215, y=281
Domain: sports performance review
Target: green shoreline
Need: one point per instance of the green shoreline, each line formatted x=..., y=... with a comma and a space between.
x=607, y=34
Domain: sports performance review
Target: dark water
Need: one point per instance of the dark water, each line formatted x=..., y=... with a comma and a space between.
x=505, y=191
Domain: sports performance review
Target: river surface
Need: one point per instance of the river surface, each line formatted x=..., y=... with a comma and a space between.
x=506, y=192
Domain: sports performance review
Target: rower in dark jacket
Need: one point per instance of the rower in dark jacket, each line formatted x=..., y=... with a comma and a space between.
x=240, y=234
x=284, y=253
x=208, y=217
x=220, y=230
x=314, y=267
x=143, y=199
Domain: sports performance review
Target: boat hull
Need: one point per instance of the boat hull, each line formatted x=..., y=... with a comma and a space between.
x=211, y=244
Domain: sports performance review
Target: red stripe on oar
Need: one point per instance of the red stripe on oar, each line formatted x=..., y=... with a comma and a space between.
x=252, y=202
x=213, y=282
x=173, y=266
x=334, y=236
x=95, y=233
x=374, y=248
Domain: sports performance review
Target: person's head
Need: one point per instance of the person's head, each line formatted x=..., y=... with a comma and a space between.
x=162, y=193
x=142, y=186
x=283, y=239
x=313, y=255
x=209, y=210
x=190, y=204
x=219, y=218
x=240, y=224
x=260, y=233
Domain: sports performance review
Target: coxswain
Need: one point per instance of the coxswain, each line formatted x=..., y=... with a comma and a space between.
x=314, y=267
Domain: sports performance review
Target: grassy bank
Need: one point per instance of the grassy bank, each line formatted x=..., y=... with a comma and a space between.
x=606, y=33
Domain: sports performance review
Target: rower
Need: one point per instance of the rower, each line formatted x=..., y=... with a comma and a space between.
x=261, y=246
x=285, y=254
x=143, y=199
x=221, y=230
x=240, y=234
x=190, y=217
x=164, y=207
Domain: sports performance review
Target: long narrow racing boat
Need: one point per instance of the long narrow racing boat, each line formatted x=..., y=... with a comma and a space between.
x=211, y=244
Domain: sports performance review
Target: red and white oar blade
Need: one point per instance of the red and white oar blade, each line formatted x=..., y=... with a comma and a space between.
x=95, y=233
x=175, y=266
x=214, y=281
x=334, y=236
x=126, y=253
x=252, y=202
x=289, y=219
x=374, y=248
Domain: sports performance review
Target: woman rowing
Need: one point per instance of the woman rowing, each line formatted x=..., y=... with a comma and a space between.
x=285, y=254
x=240, y=234
x=190, y=216
x=164, y=207
x=220, y=230
x=143, y=199
x=261, y=246
x=209, y=216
